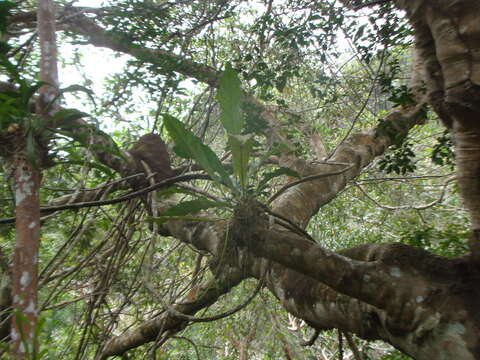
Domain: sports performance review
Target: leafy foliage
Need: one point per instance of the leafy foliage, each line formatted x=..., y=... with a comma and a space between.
x=399, y=160
x=189, y=146
x=442, y=153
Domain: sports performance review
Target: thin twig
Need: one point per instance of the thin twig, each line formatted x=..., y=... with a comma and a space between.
x=351, y=344
x=168, y=182
x=418, y=207
x=371, y=3
x=312, y=340
x=176, y=314
x=294, y=226
x=305, y=179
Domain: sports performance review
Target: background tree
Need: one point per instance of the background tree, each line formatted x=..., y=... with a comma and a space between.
x=302, y=179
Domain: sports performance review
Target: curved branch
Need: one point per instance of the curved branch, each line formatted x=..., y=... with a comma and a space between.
x=305, y=179
x=166, y=61
x=166, y=325
x=417, y=207
x=303, y=201
x=177, y=314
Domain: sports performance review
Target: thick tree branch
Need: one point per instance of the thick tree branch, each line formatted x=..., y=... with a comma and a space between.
x=166, y=62
x=133, y=195
x=164, y=326
x=303, y=201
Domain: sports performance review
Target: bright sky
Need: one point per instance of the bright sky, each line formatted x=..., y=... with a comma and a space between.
x=96, y=63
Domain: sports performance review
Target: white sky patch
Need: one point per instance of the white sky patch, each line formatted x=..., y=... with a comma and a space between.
x=96, y=64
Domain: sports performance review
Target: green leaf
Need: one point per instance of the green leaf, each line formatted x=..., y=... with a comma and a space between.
x=5, y=7
x=64, y=117
x=190, y=146
x=171, y=190
x=193, y=206
x=241, y=146
x=27, y=91
x=162, y=220
x=11, y=69
x=31, y=156
x=4, y=48
x=188, y=208
x=230, y=98
x=359, y=32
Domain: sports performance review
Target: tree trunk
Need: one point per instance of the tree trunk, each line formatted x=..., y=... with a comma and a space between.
x=25, y=259
x=27, y=185
x=447, y=39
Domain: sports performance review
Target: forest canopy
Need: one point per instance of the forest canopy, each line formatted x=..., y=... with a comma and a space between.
x=237, y=179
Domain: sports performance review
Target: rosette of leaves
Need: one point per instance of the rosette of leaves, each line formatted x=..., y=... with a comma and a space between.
x=240, y=143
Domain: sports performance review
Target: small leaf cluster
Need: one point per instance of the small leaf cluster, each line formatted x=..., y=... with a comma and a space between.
x=450, y=241
x=399, y=95
x=442, y=153
x=400, y=160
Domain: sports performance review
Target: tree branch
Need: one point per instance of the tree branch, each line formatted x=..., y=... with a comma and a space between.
x=133, y=195
x=166, y=325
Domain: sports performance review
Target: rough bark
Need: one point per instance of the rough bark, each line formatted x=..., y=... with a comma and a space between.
x=391, y=292
x=27, y=185
x=447, y=38
x=302, y=202
x=25, y=258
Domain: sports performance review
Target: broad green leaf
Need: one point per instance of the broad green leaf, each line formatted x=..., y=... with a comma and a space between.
x=4, y=48
x=241, y=146
x=230, y=97
x=189, y=208
x=27, y=91
x=64, y=117
x=11, y=69
x=190, y=146
x=193, y=206
x=31, y=153
x=171, y=190
x=164, y=219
